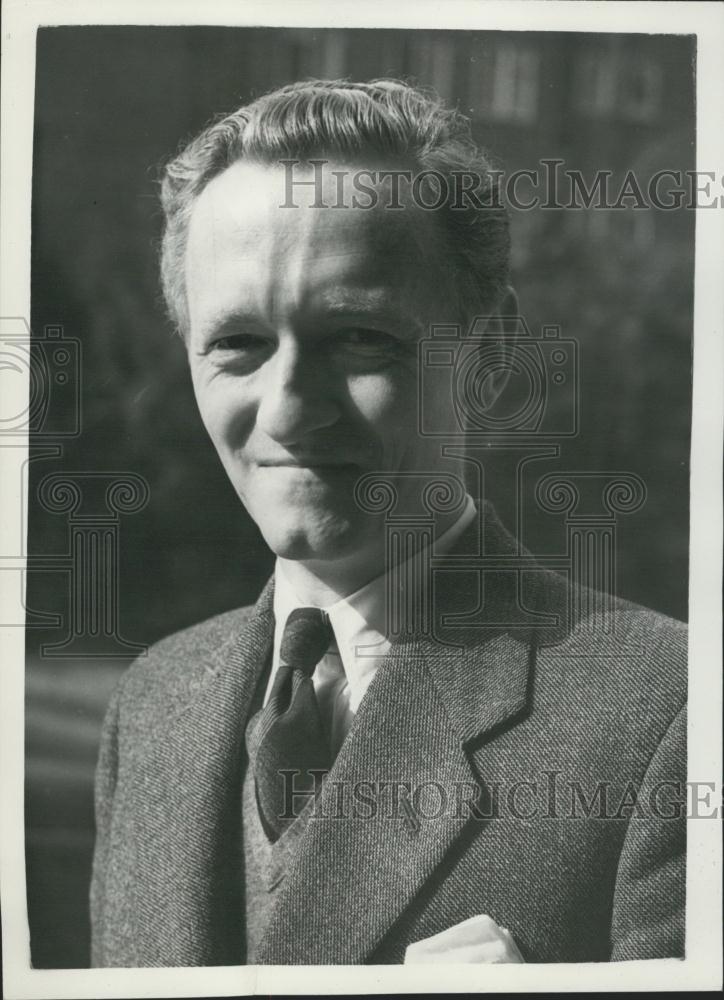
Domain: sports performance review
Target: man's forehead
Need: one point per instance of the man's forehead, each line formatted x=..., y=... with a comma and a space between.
x=245, y=247
x=251, y=202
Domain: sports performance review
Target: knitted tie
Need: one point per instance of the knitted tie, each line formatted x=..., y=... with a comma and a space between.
x=289, y=738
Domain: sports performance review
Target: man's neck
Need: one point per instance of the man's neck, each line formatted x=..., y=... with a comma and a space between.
x=321, y=583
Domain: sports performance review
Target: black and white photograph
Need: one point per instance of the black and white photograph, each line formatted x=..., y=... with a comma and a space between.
x=361, y=440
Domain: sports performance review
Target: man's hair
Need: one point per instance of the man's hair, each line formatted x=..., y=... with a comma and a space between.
x=346, y=121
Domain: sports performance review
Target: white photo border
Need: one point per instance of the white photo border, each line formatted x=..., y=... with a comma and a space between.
x=702, y=968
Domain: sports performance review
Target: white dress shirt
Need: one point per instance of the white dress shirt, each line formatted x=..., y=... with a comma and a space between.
x=346, y=670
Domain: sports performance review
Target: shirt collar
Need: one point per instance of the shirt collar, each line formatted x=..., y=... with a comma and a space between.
x=358, y=620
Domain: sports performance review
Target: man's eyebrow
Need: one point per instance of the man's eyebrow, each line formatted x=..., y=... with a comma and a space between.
x=380, y=304
x=224, y=321
x=361, y=302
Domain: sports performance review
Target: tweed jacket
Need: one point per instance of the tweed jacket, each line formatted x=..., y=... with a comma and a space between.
x=535, y=752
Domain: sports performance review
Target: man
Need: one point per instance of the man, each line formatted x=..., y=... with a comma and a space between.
x=351, y=770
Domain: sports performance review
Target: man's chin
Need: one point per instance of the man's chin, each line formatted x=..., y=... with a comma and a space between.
x=304, y=542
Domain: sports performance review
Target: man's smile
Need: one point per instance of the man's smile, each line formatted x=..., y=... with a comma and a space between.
x=325, y=463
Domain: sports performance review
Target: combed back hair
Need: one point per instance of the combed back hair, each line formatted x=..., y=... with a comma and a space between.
x=347, y=122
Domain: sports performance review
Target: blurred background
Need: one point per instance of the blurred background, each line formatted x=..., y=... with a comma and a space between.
x=111, y=105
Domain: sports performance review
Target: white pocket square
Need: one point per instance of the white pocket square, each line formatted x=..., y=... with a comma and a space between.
x=476, y=940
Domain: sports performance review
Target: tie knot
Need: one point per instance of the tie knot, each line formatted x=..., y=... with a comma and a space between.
x=307, y=635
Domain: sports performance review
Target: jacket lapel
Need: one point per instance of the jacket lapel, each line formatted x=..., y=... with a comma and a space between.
x=188, y=807
x=360, y=863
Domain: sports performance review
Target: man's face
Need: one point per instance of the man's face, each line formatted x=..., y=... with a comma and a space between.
x=304, y=326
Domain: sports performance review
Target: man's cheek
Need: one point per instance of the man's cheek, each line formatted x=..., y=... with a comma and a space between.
x=384, y=394
x=224, y=420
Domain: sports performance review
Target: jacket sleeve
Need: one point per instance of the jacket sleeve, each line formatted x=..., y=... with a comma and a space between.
x=105, y=785
x=650, y=893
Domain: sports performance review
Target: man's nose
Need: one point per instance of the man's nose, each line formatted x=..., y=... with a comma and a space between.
x=296, y=396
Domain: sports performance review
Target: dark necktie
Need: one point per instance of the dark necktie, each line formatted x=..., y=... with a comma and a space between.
x=292, y=750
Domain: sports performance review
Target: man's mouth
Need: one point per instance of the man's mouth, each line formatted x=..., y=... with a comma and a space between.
x=310, y=463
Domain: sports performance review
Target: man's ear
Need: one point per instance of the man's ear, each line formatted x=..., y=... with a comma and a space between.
x=504, y=320
x=502, y=324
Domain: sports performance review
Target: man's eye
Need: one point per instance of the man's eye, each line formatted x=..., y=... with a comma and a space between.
x=238, y=342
